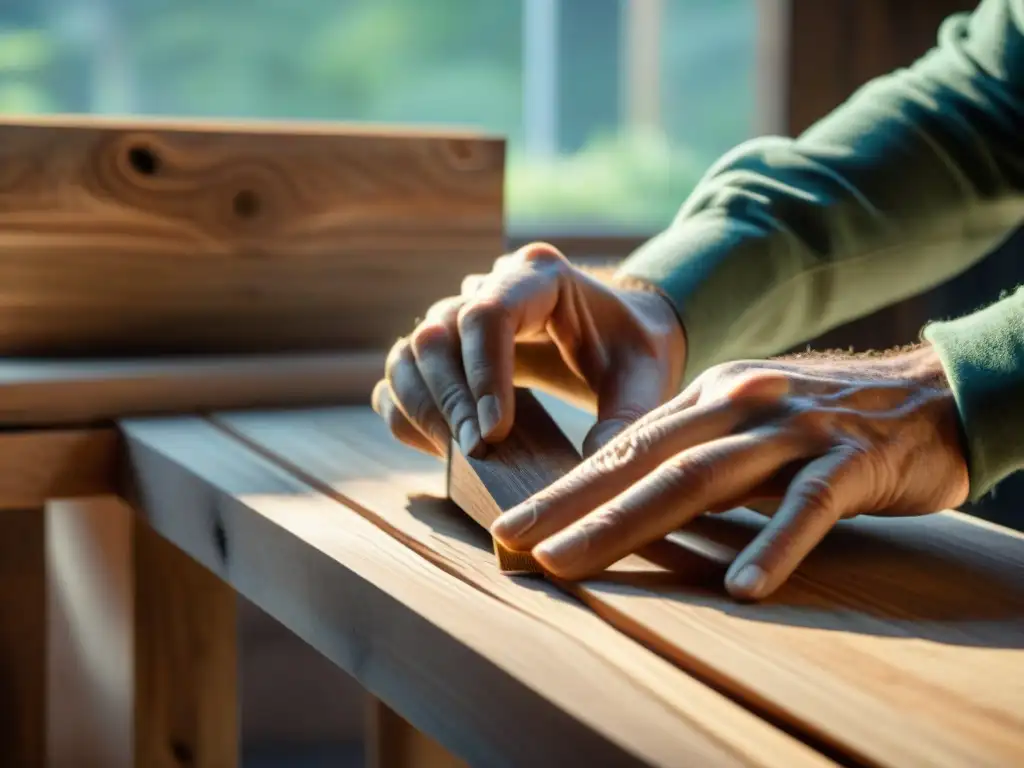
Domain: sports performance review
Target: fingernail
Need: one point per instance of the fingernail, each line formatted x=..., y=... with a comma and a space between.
x=750, y=580
x=469, y=437
x=563, y=553
x=489, y=412
x=514, y=524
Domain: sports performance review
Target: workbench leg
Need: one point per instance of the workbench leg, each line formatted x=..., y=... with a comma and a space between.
x=22, y=638
x=142, y=646
x=391, y=742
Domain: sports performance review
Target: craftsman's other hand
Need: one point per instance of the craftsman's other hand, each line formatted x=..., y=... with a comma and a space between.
x=534, y=320
x=831, y=436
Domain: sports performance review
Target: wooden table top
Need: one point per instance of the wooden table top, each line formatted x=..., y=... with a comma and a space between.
x=900, y=642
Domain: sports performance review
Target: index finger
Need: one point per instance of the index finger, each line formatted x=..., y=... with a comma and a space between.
x=613, y=468
x=678, y=491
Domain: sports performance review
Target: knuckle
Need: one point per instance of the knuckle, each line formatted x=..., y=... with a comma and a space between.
x=714, y=381
x=504, y=262
x=816, y=494
x=443, y=311
x=623, y=450
x=429, y=336
x=744, y=380
x=470, y=283
x=542, y=255
x=481, y=312
x=693, y=471
x=479, y=369
x=809, y=423
x=452, y=404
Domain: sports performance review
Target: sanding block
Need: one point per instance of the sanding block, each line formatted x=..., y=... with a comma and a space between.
x=534, y=455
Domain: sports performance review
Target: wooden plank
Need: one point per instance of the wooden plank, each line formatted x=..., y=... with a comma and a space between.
x=142, y=646
x=917, y=626
x=186, y=660
x=22, y=638
x=139, y=237
x=83, y=391
x=348, y=453
x=485, y=501
x=491, y=683
x=391, y=742
x=44, y=464
x=899, y=642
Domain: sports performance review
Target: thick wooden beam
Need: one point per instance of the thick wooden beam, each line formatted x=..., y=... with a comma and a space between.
x=141, y=646
x=187, y=710
x=85, y=391
x=144, y=236
x=37, y=465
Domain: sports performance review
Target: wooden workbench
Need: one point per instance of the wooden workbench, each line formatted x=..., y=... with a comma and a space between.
x=134, y=509
x=901, y=642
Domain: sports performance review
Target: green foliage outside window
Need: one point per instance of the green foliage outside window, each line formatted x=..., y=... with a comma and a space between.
x=450, y=62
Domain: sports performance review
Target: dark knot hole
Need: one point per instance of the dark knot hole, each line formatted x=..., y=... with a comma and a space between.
x=144, y=161
x=246, y=204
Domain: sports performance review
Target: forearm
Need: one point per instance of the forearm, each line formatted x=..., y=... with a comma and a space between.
x=915, y=178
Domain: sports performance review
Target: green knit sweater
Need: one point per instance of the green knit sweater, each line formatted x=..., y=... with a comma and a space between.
x=915, y=178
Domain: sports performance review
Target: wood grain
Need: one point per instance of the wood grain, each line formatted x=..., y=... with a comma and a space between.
x=22, y=637
x=90, y=634
x=186, y=660
x=86, y=391
x=38, y=465
x=509, y=474
x=491, y=683
x=139, y=237
x=348, y=453
x=899, y=641
x=142, y=646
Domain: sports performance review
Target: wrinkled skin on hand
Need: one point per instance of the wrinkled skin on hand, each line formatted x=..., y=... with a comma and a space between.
x=534, y=321
x=828, y=437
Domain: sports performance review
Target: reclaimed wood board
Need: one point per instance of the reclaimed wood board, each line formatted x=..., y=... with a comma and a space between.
x=85, y=391
x=898, y=642
x=494, y=682
x=146, y=236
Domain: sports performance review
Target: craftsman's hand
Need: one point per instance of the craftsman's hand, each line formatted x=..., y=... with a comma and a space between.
x=832, y=436
x=536, y=321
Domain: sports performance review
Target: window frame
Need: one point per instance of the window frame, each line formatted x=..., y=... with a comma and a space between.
x=596, y=244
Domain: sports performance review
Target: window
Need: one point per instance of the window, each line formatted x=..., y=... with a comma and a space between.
x=612, y=108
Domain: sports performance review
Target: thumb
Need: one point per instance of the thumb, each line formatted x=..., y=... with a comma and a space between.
x=630, y=390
